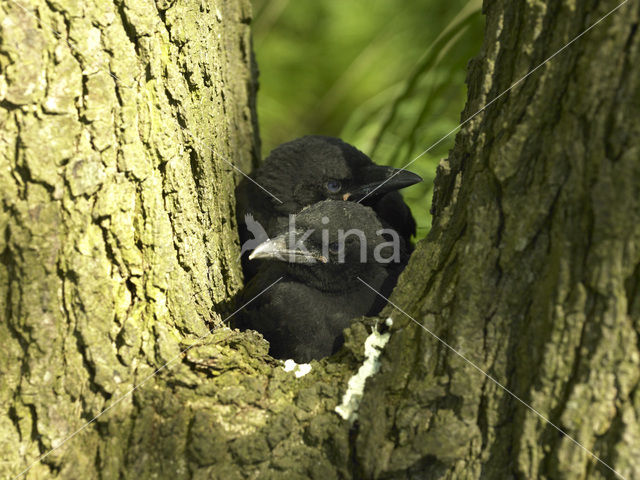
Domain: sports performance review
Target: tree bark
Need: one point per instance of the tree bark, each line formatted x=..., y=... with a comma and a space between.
x=119, y=252
x=120, y=122
x=531, y=270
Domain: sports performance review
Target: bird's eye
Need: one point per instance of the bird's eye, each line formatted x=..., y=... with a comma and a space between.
x=333, y=186
x=334, y=247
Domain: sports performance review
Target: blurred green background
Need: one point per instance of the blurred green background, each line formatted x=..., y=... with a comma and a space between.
x=386, y=76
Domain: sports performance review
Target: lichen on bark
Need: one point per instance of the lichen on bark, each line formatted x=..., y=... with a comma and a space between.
x=120, y=123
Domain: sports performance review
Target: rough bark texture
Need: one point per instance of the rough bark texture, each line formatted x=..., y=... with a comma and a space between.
x=117, y=246
x=117, y=237
x=531, y=270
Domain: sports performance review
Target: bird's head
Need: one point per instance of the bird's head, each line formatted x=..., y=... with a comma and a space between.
x=315, y=168
x=333, y=236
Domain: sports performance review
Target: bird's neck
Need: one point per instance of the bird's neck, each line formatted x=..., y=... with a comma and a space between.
x=341, y=279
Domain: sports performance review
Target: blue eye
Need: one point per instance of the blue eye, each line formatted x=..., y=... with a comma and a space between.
x=333, y=186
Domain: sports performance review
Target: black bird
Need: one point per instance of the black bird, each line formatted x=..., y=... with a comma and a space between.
x=303, y=315
x=315, y=168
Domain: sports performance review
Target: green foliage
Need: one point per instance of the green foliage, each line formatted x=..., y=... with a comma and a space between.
x=387, y=77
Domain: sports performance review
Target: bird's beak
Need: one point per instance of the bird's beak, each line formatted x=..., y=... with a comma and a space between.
x=379, y=179
x=286, y=248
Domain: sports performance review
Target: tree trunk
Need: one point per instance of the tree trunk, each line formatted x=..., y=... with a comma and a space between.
x=118, y=253
x=531, y=270
x=120, y=122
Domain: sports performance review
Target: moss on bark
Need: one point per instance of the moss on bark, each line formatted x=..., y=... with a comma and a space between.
x=120, y=122
x=531, y=269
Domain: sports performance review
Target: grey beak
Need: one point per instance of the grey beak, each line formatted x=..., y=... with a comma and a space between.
x=380, y=179
x=285, y=248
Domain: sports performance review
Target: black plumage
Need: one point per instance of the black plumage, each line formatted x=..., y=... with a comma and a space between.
x=315, y=168
x=303, y=315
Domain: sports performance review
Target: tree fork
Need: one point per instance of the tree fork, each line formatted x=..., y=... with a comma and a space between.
x=119, y=252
